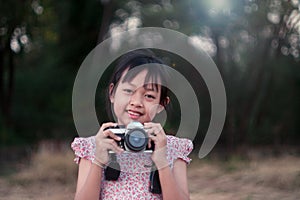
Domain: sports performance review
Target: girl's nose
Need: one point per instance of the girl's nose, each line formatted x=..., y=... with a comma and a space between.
x=136, y=100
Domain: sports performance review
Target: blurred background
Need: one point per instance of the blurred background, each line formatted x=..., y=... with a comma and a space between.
x=254, y=43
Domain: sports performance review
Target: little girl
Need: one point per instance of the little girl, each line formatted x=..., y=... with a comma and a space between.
x=137, y=92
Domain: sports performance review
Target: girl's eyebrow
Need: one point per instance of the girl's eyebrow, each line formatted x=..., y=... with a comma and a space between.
x=131, y=84
x=145, y=86
x=150, y=88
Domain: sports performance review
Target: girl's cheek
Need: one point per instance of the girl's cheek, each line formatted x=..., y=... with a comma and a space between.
x=153, y=110
x=122, y=97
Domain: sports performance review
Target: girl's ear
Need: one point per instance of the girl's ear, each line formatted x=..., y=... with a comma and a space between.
x=111, y=93
x=162, y=107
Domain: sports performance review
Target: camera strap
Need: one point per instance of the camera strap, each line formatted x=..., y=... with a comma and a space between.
x=112, y=171
x=154, y=186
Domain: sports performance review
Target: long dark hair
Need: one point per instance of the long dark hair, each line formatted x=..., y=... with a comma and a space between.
x=132, y=60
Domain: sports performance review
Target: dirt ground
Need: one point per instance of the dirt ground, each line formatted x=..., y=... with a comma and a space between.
x=262, y=179
x=51, y=176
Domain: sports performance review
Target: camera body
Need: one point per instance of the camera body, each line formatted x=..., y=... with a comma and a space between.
x=134, y=138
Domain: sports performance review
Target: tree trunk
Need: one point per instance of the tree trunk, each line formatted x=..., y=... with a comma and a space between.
x=1, y=80
x=106, y=19
x=10, y=88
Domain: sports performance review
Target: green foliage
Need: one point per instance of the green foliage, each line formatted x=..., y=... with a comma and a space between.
x=256, y=55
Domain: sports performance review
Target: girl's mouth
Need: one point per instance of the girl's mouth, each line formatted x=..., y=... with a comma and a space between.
x=134, y=114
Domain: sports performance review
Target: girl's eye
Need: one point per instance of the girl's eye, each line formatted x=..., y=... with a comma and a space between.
x=149, y=96
x=128, y=91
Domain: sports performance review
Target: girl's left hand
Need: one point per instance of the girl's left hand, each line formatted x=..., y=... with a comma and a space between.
x=158, y=136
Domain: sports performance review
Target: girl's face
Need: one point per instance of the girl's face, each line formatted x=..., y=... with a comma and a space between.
x=135, y=100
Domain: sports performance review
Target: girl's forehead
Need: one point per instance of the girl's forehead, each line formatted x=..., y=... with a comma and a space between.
x=141, y=77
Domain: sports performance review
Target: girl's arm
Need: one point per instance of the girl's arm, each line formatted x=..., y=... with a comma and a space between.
x=89, y=180
x=174, y=182
x=89, y=173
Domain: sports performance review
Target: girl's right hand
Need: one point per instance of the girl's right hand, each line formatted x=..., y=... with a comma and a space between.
x=105, y=141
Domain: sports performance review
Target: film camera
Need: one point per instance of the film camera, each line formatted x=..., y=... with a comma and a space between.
x=133, y=138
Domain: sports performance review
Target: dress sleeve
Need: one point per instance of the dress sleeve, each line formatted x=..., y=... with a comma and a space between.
x=83, y=148
x=179, y=148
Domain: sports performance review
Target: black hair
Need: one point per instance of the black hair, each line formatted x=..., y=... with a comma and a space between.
x=134, y=59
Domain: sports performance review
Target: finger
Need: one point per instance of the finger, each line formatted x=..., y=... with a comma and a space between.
x=149, y=143
x=112, y=145
x=159, y=129
x=154, y=128
x=108, y=133
x=148, y=131
x=153, y=137
x=151, y=131
x=103, y=127
x=148, y=125
x=107, y=125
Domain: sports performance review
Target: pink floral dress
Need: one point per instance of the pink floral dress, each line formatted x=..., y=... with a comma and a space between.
x=133, y=182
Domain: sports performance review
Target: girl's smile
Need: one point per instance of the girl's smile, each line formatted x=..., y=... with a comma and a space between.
x=134, y=114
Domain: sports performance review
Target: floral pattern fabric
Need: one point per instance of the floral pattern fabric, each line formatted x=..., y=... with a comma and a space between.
x=133, y=182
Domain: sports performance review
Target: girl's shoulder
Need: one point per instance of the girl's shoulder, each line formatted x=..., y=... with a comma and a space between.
x=84, y=147
x=179, y=148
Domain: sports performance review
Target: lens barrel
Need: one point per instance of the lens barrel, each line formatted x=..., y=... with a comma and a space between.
x=136, y=139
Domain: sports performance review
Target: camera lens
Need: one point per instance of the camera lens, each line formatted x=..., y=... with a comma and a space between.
x=136, y=140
